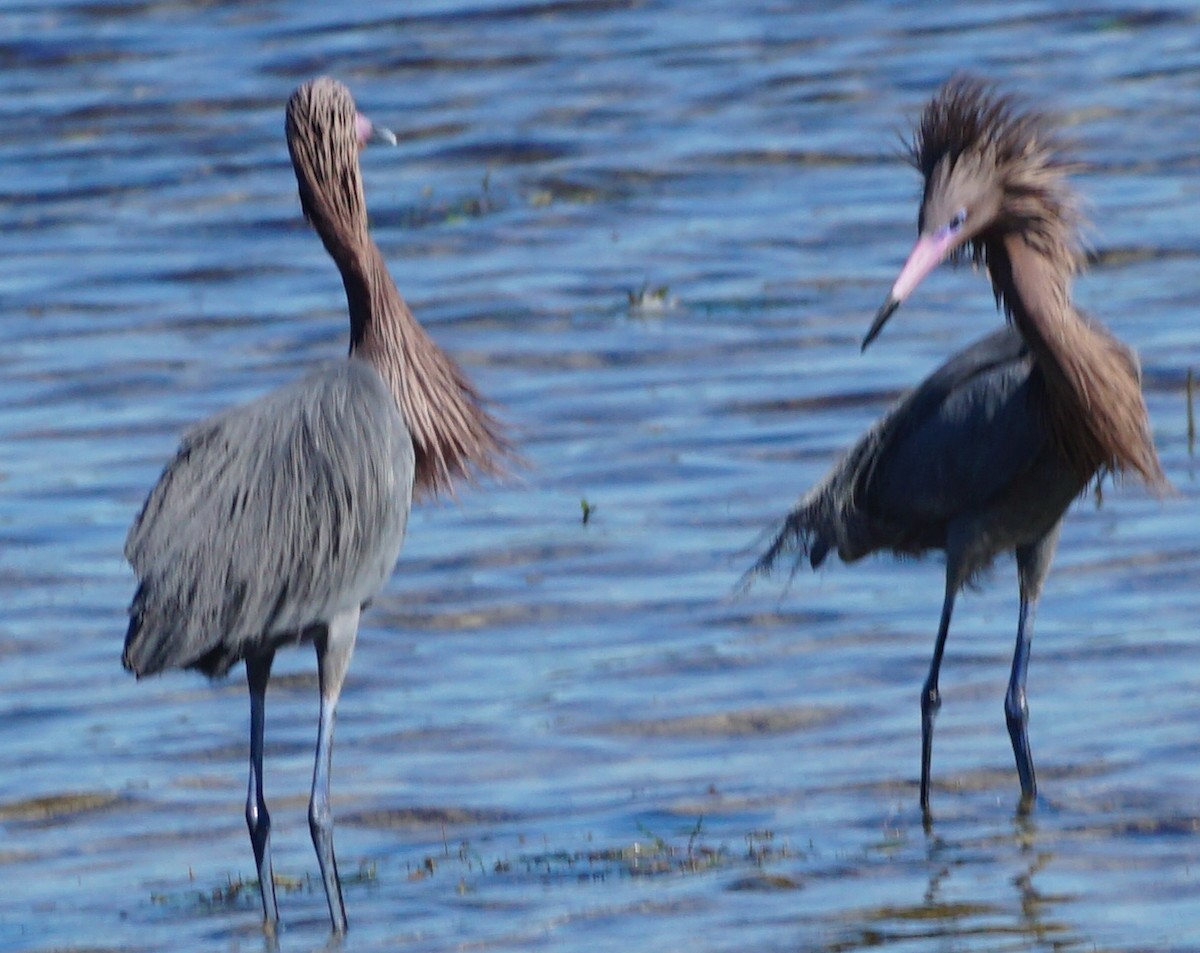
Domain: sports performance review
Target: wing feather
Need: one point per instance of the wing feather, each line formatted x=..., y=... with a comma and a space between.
x=271, y=517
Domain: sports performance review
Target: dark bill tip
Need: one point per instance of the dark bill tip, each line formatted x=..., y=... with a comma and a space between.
x=881, y=317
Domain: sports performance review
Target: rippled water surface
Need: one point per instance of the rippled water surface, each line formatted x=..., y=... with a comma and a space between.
x=654, y=233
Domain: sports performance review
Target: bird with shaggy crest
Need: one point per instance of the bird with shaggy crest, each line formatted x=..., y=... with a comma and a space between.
x=986, y=454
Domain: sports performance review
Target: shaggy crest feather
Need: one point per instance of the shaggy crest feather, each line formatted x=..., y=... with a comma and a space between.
x=969, y=123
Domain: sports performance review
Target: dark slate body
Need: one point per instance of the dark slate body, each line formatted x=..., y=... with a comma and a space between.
x=962, y=464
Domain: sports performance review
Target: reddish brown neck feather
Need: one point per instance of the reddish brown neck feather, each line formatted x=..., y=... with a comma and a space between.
x=453, y=433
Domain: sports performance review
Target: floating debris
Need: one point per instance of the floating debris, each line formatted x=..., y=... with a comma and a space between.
x=648, y=300
x=764, y=882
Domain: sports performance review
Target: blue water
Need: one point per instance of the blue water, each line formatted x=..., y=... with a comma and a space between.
x=555, y=735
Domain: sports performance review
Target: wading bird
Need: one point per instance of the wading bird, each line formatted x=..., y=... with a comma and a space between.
x=279, y=520
x=987, y=453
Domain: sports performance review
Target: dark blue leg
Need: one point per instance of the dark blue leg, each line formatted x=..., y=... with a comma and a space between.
x=258, y=673
x=1033, y=564
x=334, y=647
x=931, y=699
x=1016, y=710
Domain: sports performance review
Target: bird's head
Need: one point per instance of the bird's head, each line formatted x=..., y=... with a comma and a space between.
x=325, y=132
x=991, y=168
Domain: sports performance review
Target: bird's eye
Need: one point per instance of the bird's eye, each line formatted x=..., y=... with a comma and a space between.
x=959, y=220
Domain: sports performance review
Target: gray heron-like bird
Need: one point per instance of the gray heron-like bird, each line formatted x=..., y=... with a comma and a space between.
x=987, y=453
x=279, y=520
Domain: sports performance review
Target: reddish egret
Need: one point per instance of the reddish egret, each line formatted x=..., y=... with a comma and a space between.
x=278, y=521
x=987, y=453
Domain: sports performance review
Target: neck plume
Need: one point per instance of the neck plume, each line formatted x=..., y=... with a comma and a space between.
x=1096, y=412
x=453, y=434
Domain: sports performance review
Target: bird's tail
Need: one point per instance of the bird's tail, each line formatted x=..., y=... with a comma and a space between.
x=826, y=518
x=808, y=532
x=144, y=653
x=164, y=633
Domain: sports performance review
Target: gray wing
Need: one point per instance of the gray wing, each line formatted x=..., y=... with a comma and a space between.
x=272, y=517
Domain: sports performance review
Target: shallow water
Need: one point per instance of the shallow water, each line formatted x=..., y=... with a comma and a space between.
x=560, y=735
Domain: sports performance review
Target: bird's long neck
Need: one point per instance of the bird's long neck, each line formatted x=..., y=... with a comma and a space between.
x=1096, y=413
x=453, y=434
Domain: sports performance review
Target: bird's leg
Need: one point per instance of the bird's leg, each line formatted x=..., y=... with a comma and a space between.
x=1033, y=563
x=258, y=673
x=334, y=648
x=931, y=699
x=1016, y=711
